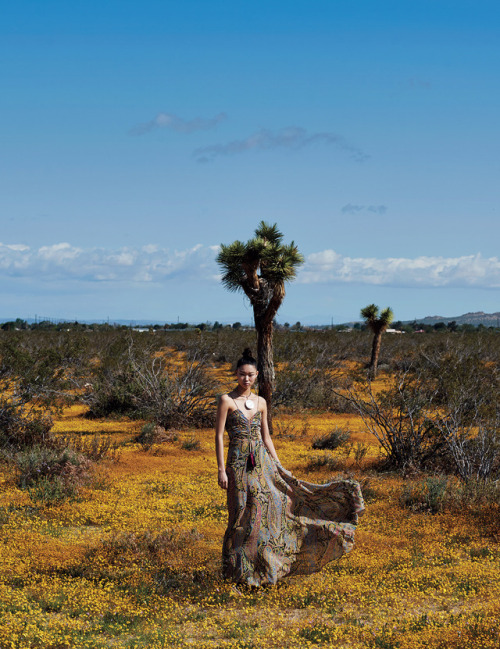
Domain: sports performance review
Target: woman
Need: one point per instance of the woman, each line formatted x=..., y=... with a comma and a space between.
x=278, y=526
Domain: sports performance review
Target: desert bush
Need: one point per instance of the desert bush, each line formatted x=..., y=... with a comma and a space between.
x=467, y=412
x=475, y=451
x=285, y=429
x=49, y=491
x=324, y=460
x=95, y=447
x=138, y=382
x=151, y=435
x=427, y=495
x=478, y=493
x=435, y=494
x=299, y=387
x=51, y=474
x=360, y=451
x=440, y=411
x=191, y=444
x=22, y=425
x=42, y=365
x=398, y=418
x=110, y=392
x=175, y=398
x=332, y=440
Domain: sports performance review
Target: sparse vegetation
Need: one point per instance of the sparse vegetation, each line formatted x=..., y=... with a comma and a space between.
x=127, y=552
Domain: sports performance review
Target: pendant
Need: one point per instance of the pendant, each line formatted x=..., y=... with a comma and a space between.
x=249, y=404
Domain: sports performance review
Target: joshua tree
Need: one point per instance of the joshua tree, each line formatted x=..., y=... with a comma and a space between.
x=260, y=267
x=378, y=324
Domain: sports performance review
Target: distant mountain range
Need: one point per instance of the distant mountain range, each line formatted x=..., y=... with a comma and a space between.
x=476, y=318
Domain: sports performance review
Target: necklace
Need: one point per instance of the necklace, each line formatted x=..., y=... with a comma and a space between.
x=248, y=402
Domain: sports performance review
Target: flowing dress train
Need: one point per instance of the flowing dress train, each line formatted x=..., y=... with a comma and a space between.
x=278, y=525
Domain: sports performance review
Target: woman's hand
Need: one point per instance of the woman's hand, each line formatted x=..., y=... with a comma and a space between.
x=222, y=479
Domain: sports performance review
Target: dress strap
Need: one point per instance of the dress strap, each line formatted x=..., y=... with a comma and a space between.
x=237, y=408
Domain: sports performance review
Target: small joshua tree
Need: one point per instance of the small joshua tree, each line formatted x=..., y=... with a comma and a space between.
x=260, y=267
x=378, y=324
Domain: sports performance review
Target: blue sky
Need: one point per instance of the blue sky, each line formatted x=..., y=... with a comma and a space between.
x=138, y=136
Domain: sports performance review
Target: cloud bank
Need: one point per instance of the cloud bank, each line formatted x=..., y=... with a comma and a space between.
x=152, y=263
x=329, y=266
x=293, y=137
x=178, y=124
x=145, y=264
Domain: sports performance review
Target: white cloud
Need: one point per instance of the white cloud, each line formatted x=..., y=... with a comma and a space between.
x=178, y=124
x=151, y=263
x=467, y=271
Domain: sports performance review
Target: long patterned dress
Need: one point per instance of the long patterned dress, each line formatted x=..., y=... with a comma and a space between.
x=279, y=526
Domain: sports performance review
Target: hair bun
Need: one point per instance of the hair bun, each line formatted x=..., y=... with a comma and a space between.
x=247, y=359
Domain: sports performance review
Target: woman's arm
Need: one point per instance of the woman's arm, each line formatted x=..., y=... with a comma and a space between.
x=266, y=437
x=220, y=422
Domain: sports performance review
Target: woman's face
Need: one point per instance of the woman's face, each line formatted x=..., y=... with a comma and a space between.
x=246, y=375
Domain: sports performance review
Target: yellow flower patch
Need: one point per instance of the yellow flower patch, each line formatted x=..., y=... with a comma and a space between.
x=136, y=561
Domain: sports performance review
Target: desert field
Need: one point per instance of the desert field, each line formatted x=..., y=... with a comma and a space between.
x=131, y=557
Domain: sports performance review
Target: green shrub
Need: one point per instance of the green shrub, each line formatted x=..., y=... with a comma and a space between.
x=111, y=393
x=95, y=447
x=51, y=474
x=152, y=434
x=360, y=450
x=41, y=365
x=324, y=461
x=51, y=490
x=191, y=444
x=332, y=440
x=428, y=495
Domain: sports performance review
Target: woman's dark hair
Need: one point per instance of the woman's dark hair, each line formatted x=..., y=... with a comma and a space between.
x=246, y=358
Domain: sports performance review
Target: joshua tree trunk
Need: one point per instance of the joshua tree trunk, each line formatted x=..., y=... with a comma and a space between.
x=377, y=339
x=378, y=325
x=265, y=365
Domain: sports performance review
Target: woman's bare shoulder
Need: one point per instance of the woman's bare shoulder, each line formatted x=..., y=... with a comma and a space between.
x=225, y=399
x=262, y=403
